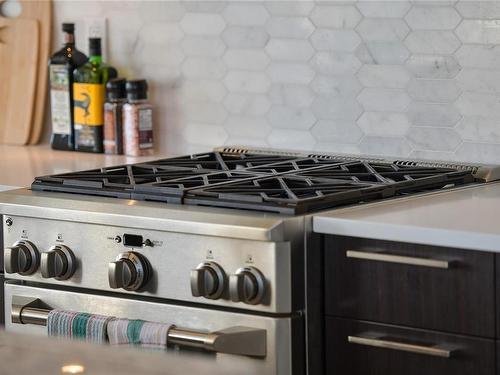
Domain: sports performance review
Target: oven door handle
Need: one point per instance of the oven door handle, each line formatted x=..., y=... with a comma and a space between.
x=237, y=340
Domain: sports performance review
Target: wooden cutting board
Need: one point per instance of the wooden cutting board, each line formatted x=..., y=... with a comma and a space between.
x=18, y=77
x=40, y=10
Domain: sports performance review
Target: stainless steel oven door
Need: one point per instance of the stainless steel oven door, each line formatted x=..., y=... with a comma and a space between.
x=274, y=347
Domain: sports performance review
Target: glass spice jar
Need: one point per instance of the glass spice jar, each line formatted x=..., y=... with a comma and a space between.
x=137, y=120
x=116, y=97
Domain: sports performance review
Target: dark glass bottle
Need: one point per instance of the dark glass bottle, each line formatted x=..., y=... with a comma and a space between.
x=61, y=67
x=88, y=90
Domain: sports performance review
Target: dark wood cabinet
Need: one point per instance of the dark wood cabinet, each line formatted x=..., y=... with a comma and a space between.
x=405, y=351
x=418, y=286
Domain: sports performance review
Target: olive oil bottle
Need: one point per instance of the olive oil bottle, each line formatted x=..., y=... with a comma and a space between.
x=89, y=96
x=61, y=67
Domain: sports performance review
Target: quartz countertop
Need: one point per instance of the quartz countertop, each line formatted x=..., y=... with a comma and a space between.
x=466, y=218
x=20, y=164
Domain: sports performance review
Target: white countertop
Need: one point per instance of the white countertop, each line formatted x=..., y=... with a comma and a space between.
x=467, y=218
x=20, y=164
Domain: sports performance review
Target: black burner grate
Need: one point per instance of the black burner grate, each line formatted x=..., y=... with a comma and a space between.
x=290, y=185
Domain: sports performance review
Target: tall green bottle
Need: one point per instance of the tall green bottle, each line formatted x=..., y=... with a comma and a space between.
x=88, y=95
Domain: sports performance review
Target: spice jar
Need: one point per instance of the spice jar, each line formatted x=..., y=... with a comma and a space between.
x=116, y=97
x=137, y=120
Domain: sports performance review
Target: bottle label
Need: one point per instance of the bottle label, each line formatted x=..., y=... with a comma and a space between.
x=88, y=101
x=145, y=128
x=60, y=101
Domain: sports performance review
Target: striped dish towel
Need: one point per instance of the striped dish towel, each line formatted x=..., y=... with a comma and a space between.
x=80, y=326
x=138, y=333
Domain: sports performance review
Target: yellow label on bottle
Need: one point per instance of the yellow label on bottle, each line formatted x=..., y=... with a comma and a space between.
x=88, y=104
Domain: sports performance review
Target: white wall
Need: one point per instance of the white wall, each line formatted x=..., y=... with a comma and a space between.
x=418, y=79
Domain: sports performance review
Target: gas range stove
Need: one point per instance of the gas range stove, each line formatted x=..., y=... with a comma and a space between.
x=281, y=182
x=209, y=242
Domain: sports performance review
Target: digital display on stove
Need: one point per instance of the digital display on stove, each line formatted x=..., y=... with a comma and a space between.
x=132, y=240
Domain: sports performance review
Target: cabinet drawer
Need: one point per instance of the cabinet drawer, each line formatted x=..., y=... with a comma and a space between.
x=413, y=285
x=361, y=348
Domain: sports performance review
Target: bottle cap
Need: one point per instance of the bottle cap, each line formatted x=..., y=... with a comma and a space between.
x=95, y=46
x=137, y=89
x=68, y=28
x=115, y=89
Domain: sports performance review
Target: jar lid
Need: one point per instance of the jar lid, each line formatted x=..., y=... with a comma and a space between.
x=137, y=89
x=115, y=89
x=68, y=28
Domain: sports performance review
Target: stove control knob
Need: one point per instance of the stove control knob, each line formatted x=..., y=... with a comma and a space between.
x=59, y=263
x=247, y=285
x=208, y=280
x=130, y=271
x=22, y=258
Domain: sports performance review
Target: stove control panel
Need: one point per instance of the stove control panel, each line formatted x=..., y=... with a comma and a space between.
x=22, y=258
x=247, y=285
x=130, y=271
x=208, y=280
x=58, y=263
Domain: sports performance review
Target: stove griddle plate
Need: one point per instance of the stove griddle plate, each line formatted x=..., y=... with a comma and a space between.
x=283, y=184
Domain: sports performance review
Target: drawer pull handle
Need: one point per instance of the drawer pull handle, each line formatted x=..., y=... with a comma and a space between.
x=413, y=261
x=434, y=351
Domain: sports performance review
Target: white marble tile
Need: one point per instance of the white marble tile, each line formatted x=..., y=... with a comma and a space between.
x=203, y=46
x=201, y=67
x=433, y=66
x=478, y=80
x=289, y=49
x=290, y=27
x=202, y=90
x=247, y=104
x=433, y=155
x=161, y=33
x=432, y=18
x=479, y=31
x=245, y=37
x=203, y=6
x=291, y=139
x=479, y=104
x=291, y=118
x=383, y=123
x=434, y=91
x=162, y=12
x=432, y=42
x=204, y=111
x=289, y=8
x=247, y=82
x=390, y=53
x=479, y=56
x=335, y=63
x=383, y=9
x=335, y=40
x=479, y=129
x=247, y=126
x=204, y=134
x=385, y=146
x=295, y=96
x=346, y=85
x=424, y=114
x=284, y=72
x=479, y=9
x=338, y=131
x=384, y=76
x=382, y=30
x=202, y=24
x=246, y=14
x=335, y=16
x=478, y=152
x=246, y=59
x=336, y=108
x=385, y=100
x=433, y=138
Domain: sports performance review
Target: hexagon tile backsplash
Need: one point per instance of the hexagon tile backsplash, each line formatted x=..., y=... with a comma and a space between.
x=398, y=78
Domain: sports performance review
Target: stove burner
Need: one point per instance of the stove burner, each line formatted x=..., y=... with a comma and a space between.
x=275, y=183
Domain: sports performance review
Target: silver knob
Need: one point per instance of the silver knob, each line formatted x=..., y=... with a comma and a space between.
x=208, y=280
x=22, y=258
x=59, y=263
x=130, y=271
x=247, y=285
